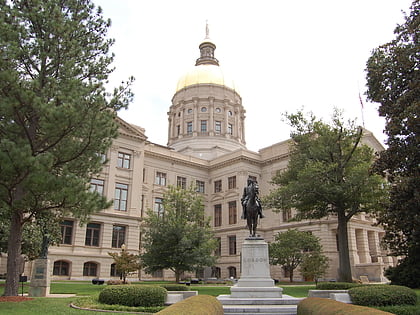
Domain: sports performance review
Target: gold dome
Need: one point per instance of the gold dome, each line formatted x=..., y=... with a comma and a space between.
x=204, y=74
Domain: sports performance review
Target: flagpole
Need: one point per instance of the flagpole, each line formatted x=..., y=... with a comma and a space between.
x=362, y=110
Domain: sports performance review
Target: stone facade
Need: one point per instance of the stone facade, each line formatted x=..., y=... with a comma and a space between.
x=206, y=148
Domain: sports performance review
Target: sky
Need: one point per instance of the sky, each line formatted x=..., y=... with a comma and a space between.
x=283, y=56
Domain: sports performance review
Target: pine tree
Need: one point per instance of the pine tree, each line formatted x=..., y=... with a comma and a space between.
x=56, y=119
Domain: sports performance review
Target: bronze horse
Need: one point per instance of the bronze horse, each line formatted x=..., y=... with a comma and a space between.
x=252, y=210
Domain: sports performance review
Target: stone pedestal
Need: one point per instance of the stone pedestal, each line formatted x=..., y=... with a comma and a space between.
x=41, y=278
x=255, y=281
x=255, y=292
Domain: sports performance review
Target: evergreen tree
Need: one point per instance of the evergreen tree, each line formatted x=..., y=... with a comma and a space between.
x=393, y=80
x=56, y=119
x=328, y=174
x=180, y=238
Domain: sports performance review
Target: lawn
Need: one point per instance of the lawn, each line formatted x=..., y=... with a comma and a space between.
x=54, y=306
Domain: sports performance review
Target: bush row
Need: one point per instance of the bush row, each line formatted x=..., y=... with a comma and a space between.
x=133, y=295
x=175, y=287
x=195, y=305
x=383, y=295
x=336, y=285
x=321, y=306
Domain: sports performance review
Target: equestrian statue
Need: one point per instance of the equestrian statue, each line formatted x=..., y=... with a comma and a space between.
x=251, y=206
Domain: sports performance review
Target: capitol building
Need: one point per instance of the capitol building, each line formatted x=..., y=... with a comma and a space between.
x=206, y=148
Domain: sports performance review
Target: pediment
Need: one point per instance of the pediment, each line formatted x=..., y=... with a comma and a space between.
x=130, y=130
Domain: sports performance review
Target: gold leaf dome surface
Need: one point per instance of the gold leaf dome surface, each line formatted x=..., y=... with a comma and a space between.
x=205, y=74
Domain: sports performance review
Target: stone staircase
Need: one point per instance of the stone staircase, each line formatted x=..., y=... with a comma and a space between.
x=261, y=306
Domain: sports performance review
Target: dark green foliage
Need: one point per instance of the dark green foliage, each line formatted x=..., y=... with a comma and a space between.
x=133, y=295
x=329, y=172
x=175, y=287
x=320, y=306
x=382, y=295
x=195, y=305
x=393, y=81
x=56, y=118
x=407, y=272
x=336, y=285
x=401, y=309
x=181, y=238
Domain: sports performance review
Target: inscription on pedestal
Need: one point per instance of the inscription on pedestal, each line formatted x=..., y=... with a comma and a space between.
x=41, y=278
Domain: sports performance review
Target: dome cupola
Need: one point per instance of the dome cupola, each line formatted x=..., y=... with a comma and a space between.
x=206, y=119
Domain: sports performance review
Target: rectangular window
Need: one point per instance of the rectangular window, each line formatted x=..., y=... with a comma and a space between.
x=189, y=127
x=287, y=215
x=218, y=127
x=160, y=179
x=204, y=126
x=233, y=213
x=218, y=251
x=217, y=215
x=158, y=206
x=67, y=232
x=157, y=273
x=123, y=160
x=218, y=186
x=178, y=130
x=232, y=245
x=230, y=129
x=200, y=186
x=118, y=236
x=97, y=185
x=120, y=199
x=93, y=230
x=181, y=182
x=232, y=182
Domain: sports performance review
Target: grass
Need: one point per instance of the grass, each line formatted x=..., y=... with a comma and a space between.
x=53, y=306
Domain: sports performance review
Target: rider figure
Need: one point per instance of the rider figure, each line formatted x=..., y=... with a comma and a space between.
x=245, y=198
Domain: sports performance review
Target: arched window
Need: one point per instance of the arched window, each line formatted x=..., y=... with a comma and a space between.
x=90, y=269
x=232, y=272
x=61, y=268
x=216, y=272
x=114, y=271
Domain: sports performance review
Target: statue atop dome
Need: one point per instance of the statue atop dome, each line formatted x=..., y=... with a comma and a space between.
x=207, y=48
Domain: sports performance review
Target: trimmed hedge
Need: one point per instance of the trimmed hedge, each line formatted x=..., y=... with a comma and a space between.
x=133, y=295
x=337, y=285
x=383, y=295
x=175, y=287
x=195, y=305
x=401, y=309
x=320, y=306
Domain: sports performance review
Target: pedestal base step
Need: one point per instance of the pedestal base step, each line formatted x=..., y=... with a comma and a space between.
x=260, y=309
x=285, y=300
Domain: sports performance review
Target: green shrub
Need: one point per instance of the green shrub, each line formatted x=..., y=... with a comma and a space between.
x=115, y=282
x=407, y=272
x=336, y=285
x=401, y=309
x=320, y=306
x=195, y=305
x=383, y=295
x=133, y=295
x=175, y=287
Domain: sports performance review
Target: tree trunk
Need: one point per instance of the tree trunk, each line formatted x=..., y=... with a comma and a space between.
x=177, y=276
x=14, y=254
x=291, y=275
x=344, y=271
